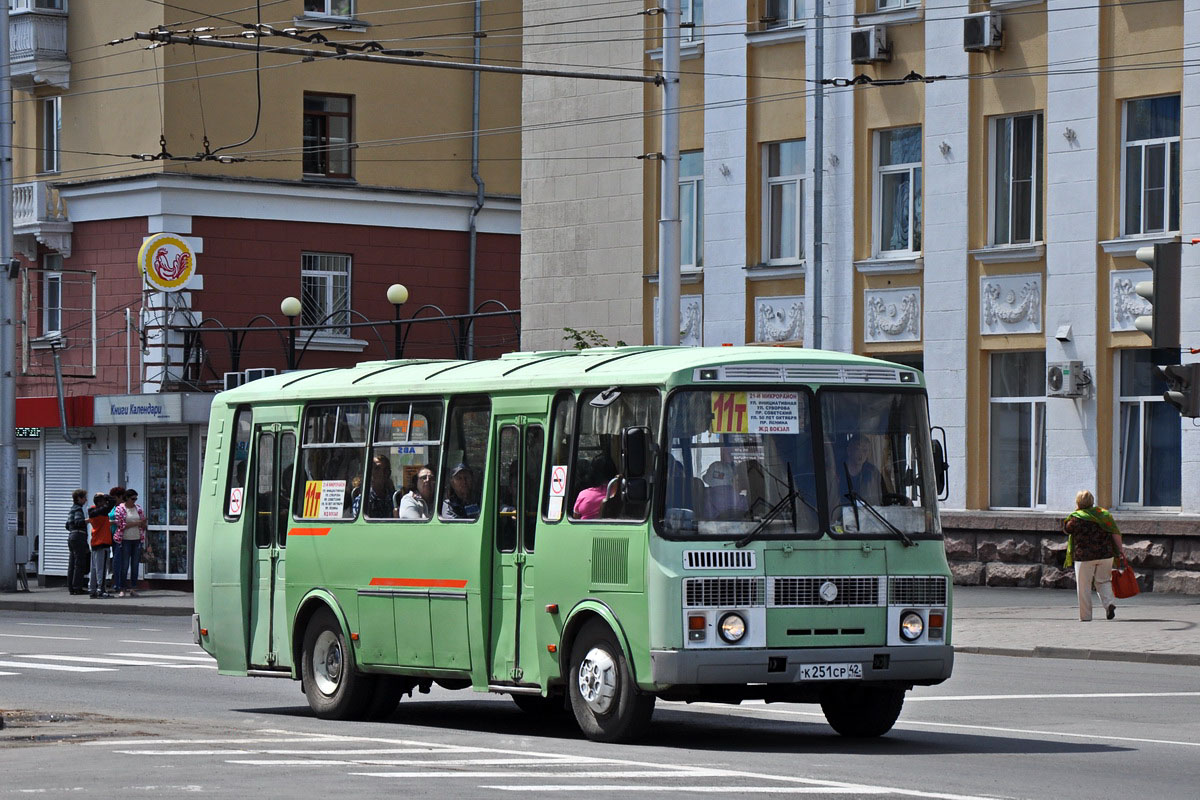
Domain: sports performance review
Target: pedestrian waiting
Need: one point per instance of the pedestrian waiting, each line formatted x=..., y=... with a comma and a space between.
x=77, y=544
x=101, y=543
x=1093, y=541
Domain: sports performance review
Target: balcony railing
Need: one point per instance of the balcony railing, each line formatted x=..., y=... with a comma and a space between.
x=40, y=215
x=38, y=44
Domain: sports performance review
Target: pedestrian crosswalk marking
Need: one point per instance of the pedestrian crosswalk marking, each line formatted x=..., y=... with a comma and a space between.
x=10, y=673
x=124, y=662
x=204, y=657
x=55, y=638
x=54, y=667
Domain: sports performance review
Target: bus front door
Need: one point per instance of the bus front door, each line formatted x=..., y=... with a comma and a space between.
x=269, y=504
x=513, y=645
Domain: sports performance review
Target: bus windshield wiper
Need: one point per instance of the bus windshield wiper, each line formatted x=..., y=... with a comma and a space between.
x=855, y=499
x=787, y=501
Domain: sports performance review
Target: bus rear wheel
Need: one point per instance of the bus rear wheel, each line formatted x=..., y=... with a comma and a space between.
x=863, y=712
x=334, y=686
x=607, y=703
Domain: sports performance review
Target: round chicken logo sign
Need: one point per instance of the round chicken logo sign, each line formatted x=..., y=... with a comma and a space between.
x=167, y=262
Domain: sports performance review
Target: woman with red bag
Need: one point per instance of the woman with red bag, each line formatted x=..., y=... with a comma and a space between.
x=1093, y=540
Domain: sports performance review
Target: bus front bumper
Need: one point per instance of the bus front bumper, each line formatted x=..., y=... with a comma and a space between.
x=923, y=664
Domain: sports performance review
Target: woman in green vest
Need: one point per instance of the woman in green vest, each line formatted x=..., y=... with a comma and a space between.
x=1093, y=541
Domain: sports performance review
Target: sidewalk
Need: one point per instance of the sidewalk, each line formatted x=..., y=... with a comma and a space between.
x=1150, y=628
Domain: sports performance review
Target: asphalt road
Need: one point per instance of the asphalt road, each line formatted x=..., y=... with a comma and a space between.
x=116, y=706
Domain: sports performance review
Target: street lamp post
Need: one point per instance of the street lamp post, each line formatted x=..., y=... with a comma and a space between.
x=291, y=309
x=397, y=295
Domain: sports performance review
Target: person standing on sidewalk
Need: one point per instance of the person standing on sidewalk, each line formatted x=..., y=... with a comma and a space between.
x=1093, y=540
x=102, y=504
x=77, y=543
x=128, y=535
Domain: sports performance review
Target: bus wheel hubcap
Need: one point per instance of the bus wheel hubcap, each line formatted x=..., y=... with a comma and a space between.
x=598, y=680
x=327, y=662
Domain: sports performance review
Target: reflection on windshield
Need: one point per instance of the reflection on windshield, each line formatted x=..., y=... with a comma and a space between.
x=733, y=456
x=876, y=448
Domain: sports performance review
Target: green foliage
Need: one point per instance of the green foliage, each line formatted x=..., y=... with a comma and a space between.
x=581, y=340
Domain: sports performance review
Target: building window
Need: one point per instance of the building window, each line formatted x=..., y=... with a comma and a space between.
x=329, y=8
x=51, y=138
x=1151, y=166
x=37, y=5
x=1018, y=430
x=885, y=5
x=1150, y=433
x=691, y=209
x=1017, y=179
x=782, y=13
x=52, y=294
x=327, y=135
x=783, y=201
x=325, y=292
x=691, y=19
x=167, y=506
x=898, y=202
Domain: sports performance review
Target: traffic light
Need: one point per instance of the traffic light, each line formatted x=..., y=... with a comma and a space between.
x=1162, y=324
x=1183, y=387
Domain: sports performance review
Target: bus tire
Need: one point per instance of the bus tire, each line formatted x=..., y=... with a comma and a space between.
x=608, y=705
x=864, y=712
x=334, y=686
x=385, y=698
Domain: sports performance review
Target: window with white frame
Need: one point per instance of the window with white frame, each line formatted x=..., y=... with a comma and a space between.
x=327, y=135
x=783, y=201
x=329, y=8
x=37, y=5
x=1017, y=179
x=1017, y=444
x=783, y=13
x=1150, y=172
x=691, y=209
x=886, y=5
x=52, y=297
x=51, y=124
x=691, y=19
x=1150, y=448
x=325, y=292
x=898, y=190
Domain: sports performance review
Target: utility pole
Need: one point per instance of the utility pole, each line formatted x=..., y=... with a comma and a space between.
x=818, y=261
x=668, y=203
x=8, y=387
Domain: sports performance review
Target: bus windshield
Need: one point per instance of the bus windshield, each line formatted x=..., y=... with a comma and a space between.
x=878, y=463
x=740, y=462
x=746, y=464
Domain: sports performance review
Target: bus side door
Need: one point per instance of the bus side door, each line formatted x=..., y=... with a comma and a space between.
x=513, y=645
x=270, y=510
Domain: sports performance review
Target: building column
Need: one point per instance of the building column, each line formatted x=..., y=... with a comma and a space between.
x=1072, y=130
x=725, y=175
x=947, y=290
x=1189, y=295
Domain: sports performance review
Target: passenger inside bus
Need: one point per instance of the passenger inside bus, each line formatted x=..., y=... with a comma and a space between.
x=460, y=501
x=600, y=474
x=418, y=502
x=722, y=500
x=381, y=489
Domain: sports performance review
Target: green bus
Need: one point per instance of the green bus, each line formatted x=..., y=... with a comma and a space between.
x=586, y=531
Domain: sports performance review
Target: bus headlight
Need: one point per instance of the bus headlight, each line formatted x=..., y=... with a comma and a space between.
x=732, y=627
x=911, y=626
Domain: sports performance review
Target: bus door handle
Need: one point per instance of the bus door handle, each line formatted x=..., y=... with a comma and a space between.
x=518, y=558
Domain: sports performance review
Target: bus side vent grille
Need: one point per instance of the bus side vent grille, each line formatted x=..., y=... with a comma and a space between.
x=610, y=561
x=718, y=559
x=751, y=372
x=722, y=592
x=917, y=591
x=813, y=374
x=870, y=375
x=806, y=592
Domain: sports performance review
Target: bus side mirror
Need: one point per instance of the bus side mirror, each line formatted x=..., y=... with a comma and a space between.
x=635, y=445
x=940, y=466
x=637, y=490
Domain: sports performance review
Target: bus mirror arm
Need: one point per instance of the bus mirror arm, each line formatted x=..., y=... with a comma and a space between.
x=635, y=445
x=636, y=490
x=941, y=467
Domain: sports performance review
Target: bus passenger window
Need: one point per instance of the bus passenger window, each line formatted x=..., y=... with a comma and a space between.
x=329, y=476
x=466, y=452
x=562, y=425
x=405, y=445
x=597, y=488
x=240, y=456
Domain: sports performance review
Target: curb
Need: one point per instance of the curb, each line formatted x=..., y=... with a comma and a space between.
x=99, y=607
x=1176, y=659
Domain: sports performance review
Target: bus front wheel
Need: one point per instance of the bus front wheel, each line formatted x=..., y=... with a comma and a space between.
x=863, y=712
x=607, y=703
x=334, y=686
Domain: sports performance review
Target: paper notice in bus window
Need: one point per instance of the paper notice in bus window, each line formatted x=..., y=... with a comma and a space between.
x=558, y=491
x=773, y=412
x=333, y=497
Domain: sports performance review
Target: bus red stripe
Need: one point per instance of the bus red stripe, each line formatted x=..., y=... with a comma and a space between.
x=424, y=583
x=309, y=531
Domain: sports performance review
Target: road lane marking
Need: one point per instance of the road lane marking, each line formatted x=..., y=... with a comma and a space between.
x=65, y=625
x=127, y=662
x=1064, y=696
x=54, y=667
x=10, y=673
x=612, y=774
x=380, y=751
x=730, y=790
x=157, y=741
x=143, y=641
x=205, y=657
x=54, y=638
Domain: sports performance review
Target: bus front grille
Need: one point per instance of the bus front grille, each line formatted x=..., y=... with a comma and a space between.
x=917, y=591
x=806, y=592
x=718, y=559
x=722, y=592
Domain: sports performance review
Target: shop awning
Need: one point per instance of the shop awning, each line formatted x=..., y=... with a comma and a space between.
x=42, y=412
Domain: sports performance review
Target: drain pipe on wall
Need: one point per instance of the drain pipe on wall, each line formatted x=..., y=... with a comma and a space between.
x=62, y=404
x=471, y=229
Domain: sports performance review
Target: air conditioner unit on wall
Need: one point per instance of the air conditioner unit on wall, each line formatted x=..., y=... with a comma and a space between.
x=234, y=380
x=869, y=44
x=982, y=31
x=1065, y=379
x=259, y=372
